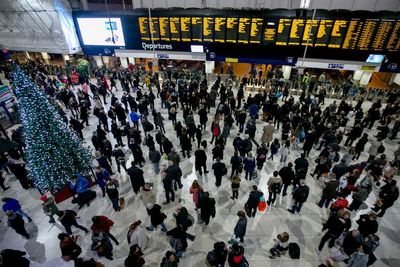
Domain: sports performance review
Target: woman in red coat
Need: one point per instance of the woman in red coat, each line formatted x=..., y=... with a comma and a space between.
x=103, y=224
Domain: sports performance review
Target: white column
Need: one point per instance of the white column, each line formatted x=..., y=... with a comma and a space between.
x=98, y=61
x=85, y=5
x=366, y=76
x=45, y=57
x=131, y=60
x=210, y=65
x=124, y=62
x=286, y=71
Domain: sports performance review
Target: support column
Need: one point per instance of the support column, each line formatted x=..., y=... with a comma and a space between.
x=85, y=5
x=124, y=62
x=98, y=60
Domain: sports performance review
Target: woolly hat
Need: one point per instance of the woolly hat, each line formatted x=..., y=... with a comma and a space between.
x=43, y=198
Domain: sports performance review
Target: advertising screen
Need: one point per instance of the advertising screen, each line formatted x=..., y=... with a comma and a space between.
x=101, y=31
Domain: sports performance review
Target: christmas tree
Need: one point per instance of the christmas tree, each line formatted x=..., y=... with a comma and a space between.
x=53, y=151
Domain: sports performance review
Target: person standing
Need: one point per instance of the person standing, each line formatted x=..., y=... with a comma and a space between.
x=236, y=162
x=155, y=158
x=288, y=176
x=168, y=187
x=104, y=224
x=252, y=201
x=360, y=146
x=69, y=249
x=49, y=207
x=156, y=217
x=300, y=195
x=301, y=163
x=170, y=260
x=235, y=185
x=207, y=206
x=101, y=177
x=136, y=177
x=16, y=222
x=240, y=228
x=274, y=187
x=367, y=224
x=329, y=192
x=195, y=189
x=68, y=218
x=11, y=204
x=113, y=194
x=219, y=171
x=120, y=158
x=249, y=166
x=268, y=131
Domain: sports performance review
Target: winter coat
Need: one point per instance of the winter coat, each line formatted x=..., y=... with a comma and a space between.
x=219, y=169
x=254, y=198
x=174, y=157
x=268, y=132
x=330, y=188
x=11, y=204
x=156, y=216
x=68, y=218
x=101, y=177
x=287, y=175
x=49, y=206
x=81, y=185
x=249, y=164
x=336, y=226
x=207, y=208
x=362, y=194
x=351, y=243
x=174, y=172
x=373, y=150
x=195, y=193
x=340, y=169
x=367, y=226
x=103, y=225
x=136, y=176
x=200, y=157
x=154, y=156
x=236, y=161
x=301, y=193
x=274, y=180
x=134, y=116
x=240, y=228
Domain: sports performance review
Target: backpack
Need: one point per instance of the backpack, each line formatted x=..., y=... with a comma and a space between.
x=294, y=251
x=212, y=258
x=276, y=188
x=381, y=149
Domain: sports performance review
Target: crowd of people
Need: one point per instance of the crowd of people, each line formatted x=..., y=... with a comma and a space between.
x=262, y=128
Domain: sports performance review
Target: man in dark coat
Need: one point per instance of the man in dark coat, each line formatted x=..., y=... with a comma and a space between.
x=168, y=188
x=329, y=192
x=219, y=171
x=236, y=161
x=301, y=163
x=136, y=176
x=175, y=172
x=200, y=160
x=288, y=176
x=340, y=169
x=252, y=201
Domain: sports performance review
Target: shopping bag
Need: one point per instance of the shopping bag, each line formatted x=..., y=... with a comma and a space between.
x=262, y=205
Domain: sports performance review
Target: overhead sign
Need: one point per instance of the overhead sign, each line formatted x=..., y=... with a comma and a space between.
x=335, y=66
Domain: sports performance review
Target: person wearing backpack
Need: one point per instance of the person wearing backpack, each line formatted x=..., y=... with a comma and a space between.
x=274, y=148
x=249, y=166
x=219, y=171
x=236, y=256
x=217, y=257
x=252, y=201
x=236, y=162
x=274, y=187
x=300, y=195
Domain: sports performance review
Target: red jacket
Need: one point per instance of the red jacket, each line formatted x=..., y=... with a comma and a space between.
x=104, y=225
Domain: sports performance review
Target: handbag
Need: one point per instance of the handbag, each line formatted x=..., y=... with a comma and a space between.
x=262, y=205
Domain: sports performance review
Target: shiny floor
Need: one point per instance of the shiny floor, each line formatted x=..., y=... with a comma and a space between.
x=305, y=229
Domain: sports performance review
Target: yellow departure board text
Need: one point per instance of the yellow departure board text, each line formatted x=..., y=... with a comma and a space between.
x=393, y=43
x=324, y=31
x=144, y=28
x=310, y=30
x=164, y=28
x=282, y=35
x=256, y=30
x=208, y=29
x=367, y=34
x=174, y=25
x=244, y=30
x=296, y=31
x=231, y=30
x=197, y=29
x=338, y=33
x=353, y=33
x=381, y=37
x=219, y=29
x=154, y=29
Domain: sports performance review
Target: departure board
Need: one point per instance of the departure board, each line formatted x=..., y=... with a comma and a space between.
x=393, y=43
x=256, y=30
x=324, y=31
x=384, y=29
x=244, y=30
x=185, y=29
x=282, y=35
x=154, y=29
x=353, y=33
x=310, y=31
x=219, y=29
x=338, y=33
x=296, y=31
x=164, y=28
x=144, y=28
x=269, y=36
x=175, y=29
x=208, y=29
x=367, y=34
x=231, y=30
x=197, y=29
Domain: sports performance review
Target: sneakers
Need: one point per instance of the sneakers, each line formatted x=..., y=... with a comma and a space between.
x=289, y=210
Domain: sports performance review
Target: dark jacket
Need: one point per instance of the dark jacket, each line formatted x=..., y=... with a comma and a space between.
x=351, y=243
x=156, y=216
x=336, y=226
x=219, y=169
x=301, y=193
x=68, y=218
x=174, y=172
x=301, y=163
x=200, y=157
x=154, y=156
x=136, y=176
x=287, y=175
x=367, y=226
x=240, y=228
x=330, y=188
x=236, y=161
x=340, y=169
x=254, y=198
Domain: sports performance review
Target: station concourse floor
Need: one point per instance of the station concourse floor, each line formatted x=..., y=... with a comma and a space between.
x=305, y=229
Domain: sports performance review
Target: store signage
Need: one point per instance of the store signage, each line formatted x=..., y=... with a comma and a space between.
x=162, y=56
x=156, y=46
x=335, y=66
x=368, y=68
x=231, y=59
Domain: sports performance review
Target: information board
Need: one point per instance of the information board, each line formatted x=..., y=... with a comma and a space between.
x=144, y=28
x=197, y=29
x=338, y=33
x=256, y=30
x=208, y=29
x=393, y=43
x=186, y=29
x=353, y=33
x=174, y=24
x=310, y=32
x=269, y=36
x=324, y=32
x=381, y=37
x=296, y=31
x=164, y=28
x=367, y=34
x=244, y=30
x=219, y=29
x=283, y=31
x=231, y=30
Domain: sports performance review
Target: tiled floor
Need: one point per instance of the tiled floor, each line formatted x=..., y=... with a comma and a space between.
x=304, y=229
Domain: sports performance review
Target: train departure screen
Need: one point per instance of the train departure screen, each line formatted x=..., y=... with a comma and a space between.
x=296, y=32
x=282, y=35
x=353, y=33
x=208, y=29
x=197, y=29
x=367, y=34
x=324, y=31
x=338, y=33
x=310, y=31
x=256, y=30
x=164, y=28
x=219, y=30
x=244, y=30
x=175, y=29
x=144, y=28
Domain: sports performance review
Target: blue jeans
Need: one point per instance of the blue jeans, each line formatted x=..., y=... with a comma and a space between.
x=156, y=167
x=163, y=227
x=297, y=206
x=23, y=214
x=115, y=203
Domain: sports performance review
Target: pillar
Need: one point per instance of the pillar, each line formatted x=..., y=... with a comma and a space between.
x=124, y=62
x=98, y=60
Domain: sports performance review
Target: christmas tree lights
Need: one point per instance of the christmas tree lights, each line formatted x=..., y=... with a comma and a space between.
x=53, y=151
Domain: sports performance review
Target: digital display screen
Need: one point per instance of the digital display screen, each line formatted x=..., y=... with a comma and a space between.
x=208, y=29
x=231, y=30
x=310, y=31
x=394, y=39
x=185, y=29
x=102, y=31
x=244, y=30
x=197, y=29
x=324, y=31
x=372, y=58
x=353, y=33
x=155, y=29
x=296, y=32
x=256, y=30
x=384, y=29
x=143, y=28
x=219, y=30
x=338, y=33
x=175, y=28
x=164, y=28
x=367, y=34
x=282, y=35
x=269, y=35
